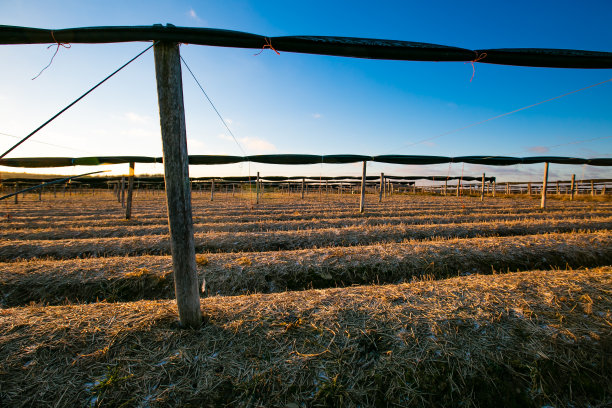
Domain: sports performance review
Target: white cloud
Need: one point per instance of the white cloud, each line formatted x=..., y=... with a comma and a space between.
x=191, y=13
x=140, y=133
x=194, y=144
x=136, y=118
x=257, y=145
x=224, y=136
x=317, y=115
x=538, y=149
x=250, y=144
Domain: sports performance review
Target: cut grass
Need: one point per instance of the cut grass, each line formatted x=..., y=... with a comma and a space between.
x=117, y=279
x=519, y=339
x=286, y=240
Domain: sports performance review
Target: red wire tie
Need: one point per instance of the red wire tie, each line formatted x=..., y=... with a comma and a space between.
x=268, y=44
x=58, y=44
x=478, y=58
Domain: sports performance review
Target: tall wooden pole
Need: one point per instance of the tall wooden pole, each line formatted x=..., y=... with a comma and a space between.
x=382, y=187
x=257, y=189
x=363, y=188
x=130, y=192
x=122, y=192
x=544, y=185
x=176, y=177
x=572, y=187
x=212, y=189
x=482, y=188
x=445, y=186
x=592, y=188
x=302, y=191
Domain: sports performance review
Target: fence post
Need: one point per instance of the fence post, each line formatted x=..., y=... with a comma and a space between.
x=544, y=185
x=482, y=188
x=572, y=187
x=122, y=192
x=445, y=186
x=363, y=188
x=176, y=176
x=212, y=189
x=130, y=192
x=257, y=189
x=592, y=188
x=382, y=187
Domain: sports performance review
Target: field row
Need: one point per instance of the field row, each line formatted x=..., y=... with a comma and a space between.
x=122, y=228
x=538, y=338
x=283, y=240
x=93, y=209
x=150, y=277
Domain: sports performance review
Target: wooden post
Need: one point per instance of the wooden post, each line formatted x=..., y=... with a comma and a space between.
x=130, y=192
x=529, y=188
x=572, y=187
x=212, y=189
x=16, y=195
x=257, y=189
x=592, y=188
x=176, y=177
x=302, y=191
x=363, y=188
x=482, y=188
x=544, y=185
x=458, y=187
x=122, y=192
x=382, y=187
x=558, y=191
x=445, y=186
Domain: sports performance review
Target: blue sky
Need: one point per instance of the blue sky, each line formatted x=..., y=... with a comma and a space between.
x=299, y=103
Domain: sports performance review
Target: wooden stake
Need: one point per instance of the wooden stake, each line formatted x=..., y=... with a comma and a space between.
x=122, y=192
x=445, y=186
x=303, y=181
x=592, y=188
x=212, y=189
x=572, y=187
x=257, y=189
x=363, y=188
x=544, y=185
x=176, y=177
x=482, y=188
x=128, y=207
x=382, y=187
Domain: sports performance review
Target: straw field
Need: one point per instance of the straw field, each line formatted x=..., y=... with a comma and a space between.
x=421, y=301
